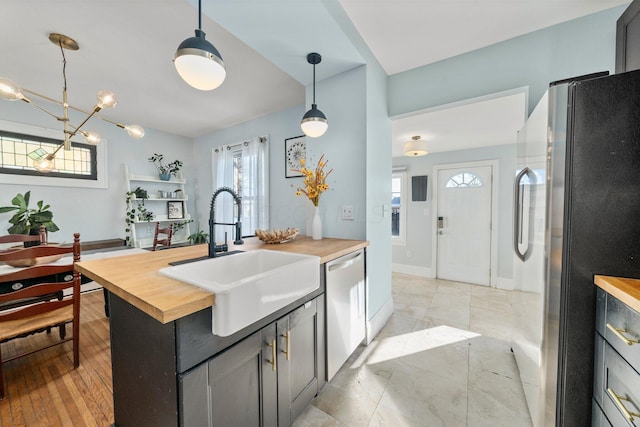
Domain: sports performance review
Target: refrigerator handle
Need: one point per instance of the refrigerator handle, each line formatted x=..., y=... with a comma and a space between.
x=517, y=212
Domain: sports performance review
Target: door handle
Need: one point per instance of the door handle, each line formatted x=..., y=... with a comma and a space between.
x=517, y=212
x=346, y=263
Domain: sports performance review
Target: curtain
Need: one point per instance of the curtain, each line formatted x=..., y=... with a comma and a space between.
x=244, y=168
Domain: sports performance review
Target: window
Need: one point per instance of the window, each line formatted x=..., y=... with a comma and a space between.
x=78, y=163
x=398, y=207
x=243, y=167
x=464, y=179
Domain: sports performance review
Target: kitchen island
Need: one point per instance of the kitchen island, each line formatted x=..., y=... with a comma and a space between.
x=169, y=369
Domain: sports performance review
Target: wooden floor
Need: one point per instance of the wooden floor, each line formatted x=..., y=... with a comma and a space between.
x=43, y=389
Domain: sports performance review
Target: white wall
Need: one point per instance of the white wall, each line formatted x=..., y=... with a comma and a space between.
x=419, y=226
x=94, y=212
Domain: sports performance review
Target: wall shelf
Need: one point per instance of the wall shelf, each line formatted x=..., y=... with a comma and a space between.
x=142, y=231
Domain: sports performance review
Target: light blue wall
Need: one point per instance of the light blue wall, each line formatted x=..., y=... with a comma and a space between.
x=285, y=209
x=95, y=213
x=573, y=48
x=342, y=99
x=419, y=238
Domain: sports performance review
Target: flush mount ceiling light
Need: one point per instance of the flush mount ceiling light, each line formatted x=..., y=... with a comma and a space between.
x=415, y=147
x=198, y=62
x=42, y=160
x=314, y=123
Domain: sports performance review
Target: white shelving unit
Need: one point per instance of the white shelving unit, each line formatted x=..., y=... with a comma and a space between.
x=142, y=231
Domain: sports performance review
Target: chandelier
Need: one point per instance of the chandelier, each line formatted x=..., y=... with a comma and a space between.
x=42, y=160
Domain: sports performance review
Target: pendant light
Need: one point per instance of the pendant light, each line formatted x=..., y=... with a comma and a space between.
x=198, y=62
x=415, y=147
x=314, y=123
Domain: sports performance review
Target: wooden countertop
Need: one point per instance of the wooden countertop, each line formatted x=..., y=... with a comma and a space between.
x=135, y=278
x=625, y=289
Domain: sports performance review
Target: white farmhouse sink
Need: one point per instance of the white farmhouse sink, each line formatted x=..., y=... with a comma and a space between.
x=250, y=285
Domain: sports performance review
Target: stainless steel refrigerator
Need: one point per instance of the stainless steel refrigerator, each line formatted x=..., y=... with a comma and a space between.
x=591, y=225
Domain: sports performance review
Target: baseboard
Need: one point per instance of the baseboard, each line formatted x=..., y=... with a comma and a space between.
x=504, y=284
x=377, y=322
x=414, y=270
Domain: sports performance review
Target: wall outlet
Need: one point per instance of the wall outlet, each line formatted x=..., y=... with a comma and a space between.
x=347, y=213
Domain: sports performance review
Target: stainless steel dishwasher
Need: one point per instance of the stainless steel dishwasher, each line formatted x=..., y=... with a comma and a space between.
x=345, y=296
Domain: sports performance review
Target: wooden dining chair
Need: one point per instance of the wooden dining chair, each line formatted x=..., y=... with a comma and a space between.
x=33, y=309
x=162, y=236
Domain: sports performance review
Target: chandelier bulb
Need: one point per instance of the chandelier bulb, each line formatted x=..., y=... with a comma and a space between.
x=135, y=131
x=44, y=164
x=10, y=91
x=91, y=137
x=106, y=99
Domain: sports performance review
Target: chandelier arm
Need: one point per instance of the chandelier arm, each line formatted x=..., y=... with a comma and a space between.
x=55, y=101
x=95, y=110
x=41, y=108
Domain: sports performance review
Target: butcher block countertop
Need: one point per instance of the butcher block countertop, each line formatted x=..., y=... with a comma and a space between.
x=624, y=289
x=135, y=277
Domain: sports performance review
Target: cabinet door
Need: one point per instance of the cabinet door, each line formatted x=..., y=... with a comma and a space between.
x=298, y=335
x=237, y=388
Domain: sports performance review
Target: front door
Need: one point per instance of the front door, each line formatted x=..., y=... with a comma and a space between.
x=464, y=224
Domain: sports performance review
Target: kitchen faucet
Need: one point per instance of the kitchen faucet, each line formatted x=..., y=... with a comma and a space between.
x=213, y=248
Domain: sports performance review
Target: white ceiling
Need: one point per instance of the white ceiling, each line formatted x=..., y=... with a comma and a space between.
x=128, y=45
x=476, y=123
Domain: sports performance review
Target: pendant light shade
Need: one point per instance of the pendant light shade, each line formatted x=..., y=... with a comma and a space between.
x=415, y=147
x=314, y=122
x=199, y=63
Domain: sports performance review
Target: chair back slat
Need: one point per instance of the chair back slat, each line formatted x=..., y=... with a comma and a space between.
x=35, y=291
x=21, y=238
x=35, y=272
x=34, y=252
x=34, y=309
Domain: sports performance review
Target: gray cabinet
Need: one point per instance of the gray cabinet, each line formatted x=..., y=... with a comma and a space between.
x=267, y=379
x=627, y=39
x=236, y=388
x=616, y=391
x=179, y=373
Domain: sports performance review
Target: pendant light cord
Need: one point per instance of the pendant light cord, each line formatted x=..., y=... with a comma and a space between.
x=200, y=14
x=314, y=83
x=64, y=66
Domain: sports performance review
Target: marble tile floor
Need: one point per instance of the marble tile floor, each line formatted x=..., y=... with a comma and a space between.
x=443, y=359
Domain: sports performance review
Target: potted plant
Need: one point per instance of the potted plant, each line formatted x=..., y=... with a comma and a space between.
x=165, y=170
x=198, y=237
x=141, y=194
x=27, y=220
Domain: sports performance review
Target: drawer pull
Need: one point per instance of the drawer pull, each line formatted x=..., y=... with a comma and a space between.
x=618, y=401
x=272, y=344
x=287, y=351
x=619, y=331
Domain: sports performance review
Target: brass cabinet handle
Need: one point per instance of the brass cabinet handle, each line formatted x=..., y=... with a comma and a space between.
x=287, y=337
x=619, y=331
x=272, y=344
x=618, y=401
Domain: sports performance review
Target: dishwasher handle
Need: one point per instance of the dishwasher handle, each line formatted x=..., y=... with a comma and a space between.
x=346, y=263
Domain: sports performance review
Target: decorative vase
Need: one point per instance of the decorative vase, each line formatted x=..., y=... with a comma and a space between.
x=316, y=225
x=165, y=176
